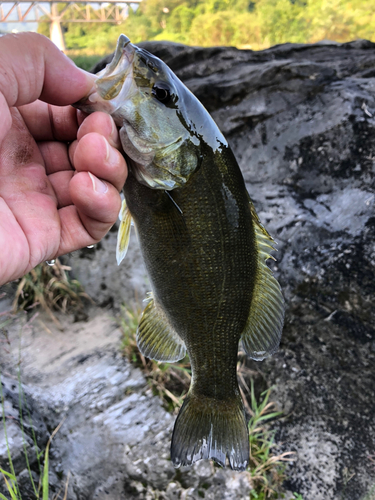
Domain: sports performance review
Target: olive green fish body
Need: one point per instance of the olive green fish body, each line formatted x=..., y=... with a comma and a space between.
x=192, y=247
x=200, y=252
x=204, y=248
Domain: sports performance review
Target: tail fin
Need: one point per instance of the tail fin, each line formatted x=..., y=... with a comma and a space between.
x=210, y=428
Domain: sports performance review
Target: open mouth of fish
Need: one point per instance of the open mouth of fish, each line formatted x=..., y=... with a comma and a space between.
x=114, y=84
x=114, y=92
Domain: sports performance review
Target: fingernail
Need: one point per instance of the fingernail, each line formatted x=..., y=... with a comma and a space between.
x=112, y=156
x=98, y=185
x=108, y=152
x=114, y=128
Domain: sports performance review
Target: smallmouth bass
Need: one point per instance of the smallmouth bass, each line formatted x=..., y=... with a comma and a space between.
x=204, y=248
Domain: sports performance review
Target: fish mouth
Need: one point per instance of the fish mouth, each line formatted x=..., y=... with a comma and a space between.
x=114, y=83
x=111, y=80
x=122, y=43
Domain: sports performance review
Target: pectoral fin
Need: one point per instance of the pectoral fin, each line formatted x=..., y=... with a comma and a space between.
x=156, y=338
x=262, y=333
x=123, y=234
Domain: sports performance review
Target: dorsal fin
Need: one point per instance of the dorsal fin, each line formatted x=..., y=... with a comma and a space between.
x=262, y=333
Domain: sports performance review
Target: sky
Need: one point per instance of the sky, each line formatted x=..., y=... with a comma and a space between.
x=28, y=26
x=9, y=26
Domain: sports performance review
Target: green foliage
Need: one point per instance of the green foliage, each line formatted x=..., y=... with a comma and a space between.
x=267, y=469
x=169, y=381
x=50, y=287
x=371, y=494
x=41, y=490
x=11, y=485
x=9, y=476
x=256, y=24
x=282, y=21
x=86, y=62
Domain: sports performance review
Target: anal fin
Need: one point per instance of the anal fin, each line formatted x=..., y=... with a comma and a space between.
x=123, y=234
x=262, y=333
x=156, y=338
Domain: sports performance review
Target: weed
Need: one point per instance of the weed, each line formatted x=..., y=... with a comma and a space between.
x=41, y=491
x=8, y=476
x=169, y=382
x=50, y=287
x=267, y=470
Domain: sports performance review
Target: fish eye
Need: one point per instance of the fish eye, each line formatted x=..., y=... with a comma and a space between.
x=162, y=92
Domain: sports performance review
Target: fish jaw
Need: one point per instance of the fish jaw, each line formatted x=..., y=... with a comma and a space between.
x=114, y=85
x=163, y=144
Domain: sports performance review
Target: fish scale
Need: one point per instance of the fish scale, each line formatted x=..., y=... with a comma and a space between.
x=203, y=291
x=203, y=244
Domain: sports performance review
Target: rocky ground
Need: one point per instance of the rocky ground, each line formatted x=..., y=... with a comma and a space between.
x=301, y=121
x=115, y=435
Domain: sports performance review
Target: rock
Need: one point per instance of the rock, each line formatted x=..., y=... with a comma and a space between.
x=115, y=435
x=106, y=283
x=301, y=121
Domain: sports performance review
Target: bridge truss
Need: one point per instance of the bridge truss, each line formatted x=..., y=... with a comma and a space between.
x=20, y=11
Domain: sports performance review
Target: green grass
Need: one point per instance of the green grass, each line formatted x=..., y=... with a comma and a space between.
x=50, y=287
x=41, y=490
x=9, y=477
x=84, y=61
x=370, y=494
x=171, y=382
x=267, y=469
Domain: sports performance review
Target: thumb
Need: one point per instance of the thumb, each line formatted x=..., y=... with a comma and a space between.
x=32, y=67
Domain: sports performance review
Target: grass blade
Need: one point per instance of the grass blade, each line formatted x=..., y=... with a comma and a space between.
x=45, y=485
x=21, y=396
x=15, y=485
x=10, y=489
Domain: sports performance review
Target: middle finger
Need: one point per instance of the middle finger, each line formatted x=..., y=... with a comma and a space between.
x=93, y=153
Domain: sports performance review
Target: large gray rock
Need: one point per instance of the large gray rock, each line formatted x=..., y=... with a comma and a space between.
x=301, y=121
x=115, y=435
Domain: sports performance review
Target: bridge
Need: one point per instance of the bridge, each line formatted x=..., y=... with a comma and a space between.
x=111, y=11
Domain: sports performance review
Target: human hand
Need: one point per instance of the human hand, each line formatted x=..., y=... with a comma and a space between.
x=60, y=174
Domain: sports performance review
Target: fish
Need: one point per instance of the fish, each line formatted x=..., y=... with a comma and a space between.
x=203, y=245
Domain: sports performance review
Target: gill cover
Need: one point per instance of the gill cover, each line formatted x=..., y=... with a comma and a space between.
x=146, y=101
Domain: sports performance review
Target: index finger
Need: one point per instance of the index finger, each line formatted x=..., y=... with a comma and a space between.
x=50, y=123
x=32, y=67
